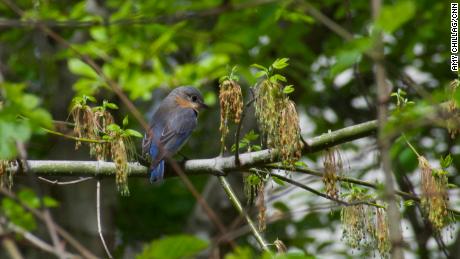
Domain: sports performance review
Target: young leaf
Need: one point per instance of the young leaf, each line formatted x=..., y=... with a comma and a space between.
x=125, y=121
x=446, y=161
x=260, y=74
x=112, y=106
x=113, y=127
x=172, y=247
x=288, y=89
x=50, y=202
x=394, y=16
x=260, y=67
x=278, y=180
x=277, y=77
x=80, y=68
x=133, y=133
x=280, y=63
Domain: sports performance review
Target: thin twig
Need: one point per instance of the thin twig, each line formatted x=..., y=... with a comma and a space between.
x=9, y=245
x=237, y=204
x=342, y=202
x=49, y=222
x=56, y=182
x=64, y=234
x=34, y=240
x=238, y=131
x=74, y=138
x=98, y=213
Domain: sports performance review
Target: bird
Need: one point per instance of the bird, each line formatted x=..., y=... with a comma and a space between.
x=171, y=126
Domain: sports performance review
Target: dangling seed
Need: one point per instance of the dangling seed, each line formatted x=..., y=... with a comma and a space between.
x=231, y=106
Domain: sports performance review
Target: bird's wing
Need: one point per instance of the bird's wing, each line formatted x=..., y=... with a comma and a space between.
x=178, y=129
x=174, y=134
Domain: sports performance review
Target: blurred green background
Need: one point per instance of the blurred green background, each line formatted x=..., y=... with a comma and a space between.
x=150, y=47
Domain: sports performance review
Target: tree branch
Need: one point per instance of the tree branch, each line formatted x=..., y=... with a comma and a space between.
x=383, y=95
x=64, y=234
x=215, y=165
x=34, y=240
x=237, y=204
x=166, y=19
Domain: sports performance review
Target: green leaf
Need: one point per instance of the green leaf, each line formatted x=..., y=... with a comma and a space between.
x=17, y=214
x=133, y=133
x=278, y=180
x=11, y=131
x=50, y=202
x=446, y=161
x=89, y=98
x=260, y=67
x=109, y=105
x=409, y=203
x=29, y=197
x=393, y=17
x=99, y=33
x=277, y=77
x=114, y=127
x=240, y=253
x=172, y=247
x=288, y=89
x=452, y=186
x=106, y=137
x=260, y=74
x=344, y=60
x=280, y=63
x=125, y=121
x=300, y=164
x=251, y=135
x=350, y=53
x=80, y=68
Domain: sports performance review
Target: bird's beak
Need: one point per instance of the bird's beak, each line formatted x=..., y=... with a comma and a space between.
x=203, y=106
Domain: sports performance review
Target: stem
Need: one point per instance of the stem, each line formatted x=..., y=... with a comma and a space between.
x=394, y=217
x=238, y=131
x=98, y=212
x=72, y=137
x=410, y=145
x=64, y=234
x=237, y=204
x=309, y=189
x=34, y=240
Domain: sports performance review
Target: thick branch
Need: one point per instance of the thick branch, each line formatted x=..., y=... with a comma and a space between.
x=197, y=166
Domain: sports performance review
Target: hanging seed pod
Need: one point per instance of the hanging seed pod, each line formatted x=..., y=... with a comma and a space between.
x=266, y=108
x=288, y=137
x=278, y=120
x=86, y=125
x=261, y=206
x=6, y=177
x=333, y=166
x=382, y=233
x=356, y=224
x=231, y=106
x=452, y=109
x=434, y=195
x=119, y=156
x=280, y=246
x=101, y=151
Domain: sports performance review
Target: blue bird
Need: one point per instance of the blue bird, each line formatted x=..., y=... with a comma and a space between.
x=171, y=126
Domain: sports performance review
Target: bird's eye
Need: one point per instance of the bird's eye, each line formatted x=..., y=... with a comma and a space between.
x=194, y=98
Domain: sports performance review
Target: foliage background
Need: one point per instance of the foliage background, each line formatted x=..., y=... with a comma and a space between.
x=150, y=47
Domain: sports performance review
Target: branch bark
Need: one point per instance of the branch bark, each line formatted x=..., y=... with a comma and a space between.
x=215, y=165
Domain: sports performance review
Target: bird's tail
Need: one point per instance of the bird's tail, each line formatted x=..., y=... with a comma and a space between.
x=156, y=174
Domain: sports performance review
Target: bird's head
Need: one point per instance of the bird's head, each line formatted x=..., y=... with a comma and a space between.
x=188, y=97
